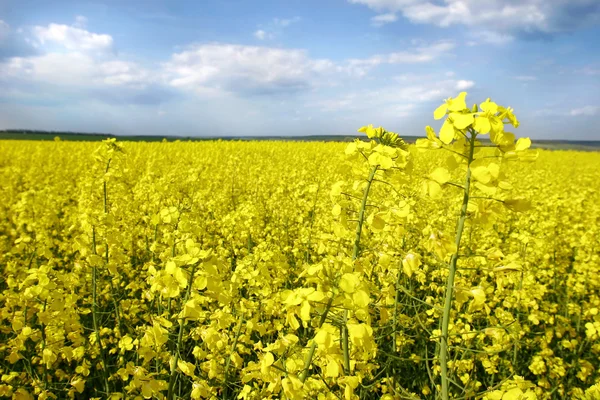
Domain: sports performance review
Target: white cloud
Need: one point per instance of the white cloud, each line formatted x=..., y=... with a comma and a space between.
x=400, y=99
x=382, y=19
x=285, y=22
x=123, y=73
x=274, y=28
x=500, y=17
x=74, y=57
x=420, y=54
x=585, y=111
x=244, y=69
x=75, y=69
x=4, y=30
x=220, y=68
x=491, y=37
x=464, y=85
x=80, y=22
x=72, y=38
x=262, y=35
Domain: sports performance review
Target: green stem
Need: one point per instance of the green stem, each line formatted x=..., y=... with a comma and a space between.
x=313, y=346
x=395, y=315
x=105, y=193
x=238, y=331
x=361, y=214
x=355, y=253
x=95, y=314
x=443, y=355
x=180, y=336
x=345, y=346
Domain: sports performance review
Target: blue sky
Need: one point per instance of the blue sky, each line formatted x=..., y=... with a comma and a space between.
x=296, y=67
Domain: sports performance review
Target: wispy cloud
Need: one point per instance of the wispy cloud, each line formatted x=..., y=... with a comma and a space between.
x=526, y=78
x=4, y=30
x=416, y=55
x=410, y=90
x=382, y=19
x=262, y=35
x=501, y=19
x=274, y=28
x=585, y=111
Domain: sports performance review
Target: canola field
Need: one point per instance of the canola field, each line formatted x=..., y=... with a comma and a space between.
x=279, y=270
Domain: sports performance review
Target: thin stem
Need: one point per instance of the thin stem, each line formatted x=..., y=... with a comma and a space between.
x=105, y=193
x=361, y=214
x=238, y=331
x=180, y=336
x=313, y=346
x=443, y=355
x=95, y=314
x=355, y=252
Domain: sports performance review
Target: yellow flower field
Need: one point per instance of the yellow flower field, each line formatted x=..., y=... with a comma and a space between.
x=267, y=270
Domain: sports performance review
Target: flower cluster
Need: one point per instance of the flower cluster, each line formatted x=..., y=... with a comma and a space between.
x=267, y=270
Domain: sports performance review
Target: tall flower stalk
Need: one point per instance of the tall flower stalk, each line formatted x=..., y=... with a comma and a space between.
x=458, y=135
x=443, y=355
x=385, y=151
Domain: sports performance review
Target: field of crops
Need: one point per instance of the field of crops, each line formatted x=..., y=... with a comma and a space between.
x=264, y=270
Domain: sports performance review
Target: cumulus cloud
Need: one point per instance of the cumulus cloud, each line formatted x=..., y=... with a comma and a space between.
x=244, y=69
x=70, y=60
x=526, y=18
x=74, y=69
x=585, y=111
x=71, y=38
x=249, y=70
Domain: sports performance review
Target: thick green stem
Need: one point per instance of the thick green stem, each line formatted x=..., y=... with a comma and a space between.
x=443, y=355
x=180, y=336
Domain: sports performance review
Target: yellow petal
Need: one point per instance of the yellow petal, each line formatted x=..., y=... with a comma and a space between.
x=447, y=132
x=349, y=283
x=489, y=106
x=440, y=175
x=523, y=144
x=458, y=103
x=361, y=299
x=186, y=367
x=481, y=174
x=440, y=111
x=461, y=121
x=482, y=124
